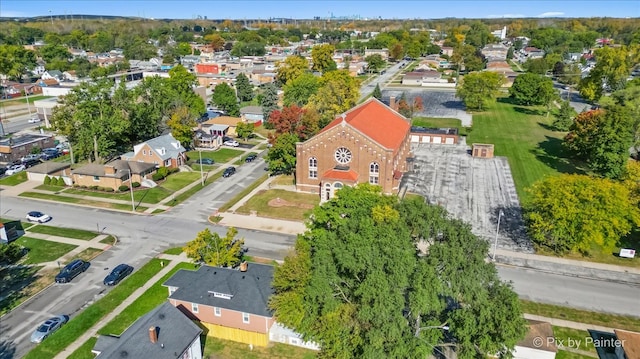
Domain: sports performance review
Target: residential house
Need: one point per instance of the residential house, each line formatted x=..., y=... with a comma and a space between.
x=539, y=342
x=446, y=50
x=495, y=52
x=53, y=169
x=368, y=144
x=252, y=114
x=208, y=137
x=189, y=61
x=533, y=52
x=433, y=62
x=19, y=145
x=151, y=65
x=421, y=78
x=71, y=75
x=221, y=125
x=163, y=151
x=384, y=53
x=52, y=74
x=113, y=174
x=621, y=344
x=77, y=53
x=208, y=68
x=39, y=69
x=232, y=304
x=48, y=82
x=12, y=89
x=163, y=333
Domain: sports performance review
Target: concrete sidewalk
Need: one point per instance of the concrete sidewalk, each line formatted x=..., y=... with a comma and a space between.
x=93, y=331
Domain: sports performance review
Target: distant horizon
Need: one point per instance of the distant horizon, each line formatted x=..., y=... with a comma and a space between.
x=310, y=9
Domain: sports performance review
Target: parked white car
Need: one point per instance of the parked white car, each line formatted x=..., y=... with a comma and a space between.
x=34, y=120
x=231, y=143
x=15, y=169
x=35, y=216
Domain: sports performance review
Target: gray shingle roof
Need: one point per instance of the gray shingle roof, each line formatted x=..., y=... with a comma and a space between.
x=251, y=289
x=121, y=167
x=49, y=167
x=166, y=146
x=175, y=331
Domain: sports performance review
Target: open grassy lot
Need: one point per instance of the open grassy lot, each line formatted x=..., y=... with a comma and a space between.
x=179, y=180
x=243, y=193
x=41, y=251
x=50, y=188
x=226, y=349
x=191, y=191
x=101, y=204
x=523, y=136
x=280, y=204
x=283, y=180
x=174, y=251
x=90, y=316
x=63, y=232
x=14, y=179
x=18, y=283
x=84, y=351
x=582, y=316
x=577, y=336
x=436, y=122
x=219, y=156
x=149, y=195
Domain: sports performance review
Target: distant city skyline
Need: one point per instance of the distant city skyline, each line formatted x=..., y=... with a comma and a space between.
x=308, y=9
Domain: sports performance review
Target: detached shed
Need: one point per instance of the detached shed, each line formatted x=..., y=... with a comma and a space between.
x=482, y=150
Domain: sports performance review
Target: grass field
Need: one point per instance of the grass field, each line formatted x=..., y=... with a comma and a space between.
x=243, y=193
x=296, y=206
x=436, y=122
x=226, y=349
x=63, y=232
x=96, y=203
x=41, y=251
x=220, y=156
x=84, y=352
x=15, y=179
x=522, y=135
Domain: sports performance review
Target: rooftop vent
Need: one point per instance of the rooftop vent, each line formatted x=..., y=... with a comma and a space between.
x=153, y=334
x=244, y=266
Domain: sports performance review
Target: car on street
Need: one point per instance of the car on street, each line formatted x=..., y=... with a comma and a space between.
x=229, y=171
x=2, y=171
x=11, y=170
x=31, y=163
x=251, y=157
x=117, y=274
x=36, y=216
x=205, y=161
x=34, y=120
x=48, y=327
x=231, y=143
x=32, y=156
x=49, y=155
x=72, y=270
x=226, y=138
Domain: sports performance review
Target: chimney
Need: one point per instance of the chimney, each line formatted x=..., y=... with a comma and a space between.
x=153, y=335
x=243, y=266
x=392, y=103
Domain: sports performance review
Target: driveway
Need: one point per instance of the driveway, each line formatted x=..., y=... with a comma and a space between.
x=474, y=190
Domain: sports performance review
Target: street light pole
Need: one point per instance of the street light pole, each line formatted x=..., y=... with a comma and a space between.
x=51, y=16
x=26, y=95
x=495, y=245
x=201, y=175
x=133, y=205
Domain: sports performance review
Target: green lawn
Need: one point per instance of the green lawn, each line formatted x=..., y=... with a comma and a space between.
x=63, y=232
x=433, y=122
x=563, y=335
x=563, y=354
x=226, y=349
x=175, y=251
x=41, y=251
x=101, y=204
x=19, y=283
x=522, y=135
x=153, y=297
x=15, y=179
x=243, y=193
x=149, y=195
x=179, y=180
x=108, y=240
x=191, y=191
x=295, y=206
x=84, y=351
x=219, y=156
x=78, y=325
x=50, y=188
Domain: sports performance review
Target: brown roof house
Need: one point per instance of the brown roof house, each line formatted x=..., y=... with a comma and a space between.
x=163, y=151
x=368, y=144
x=539, y=343
x=163, y=333
x=113, y=174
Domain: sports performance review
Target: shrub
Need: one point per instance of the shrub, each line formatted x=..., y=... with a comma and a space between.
x=163, y=171
x=173, y=170
x=95, y=188
x=10, y=253
x=47, y=180
x=157, y=177
x=135, y=184
x=123, y=188
x=59, y=182
x=108, y=189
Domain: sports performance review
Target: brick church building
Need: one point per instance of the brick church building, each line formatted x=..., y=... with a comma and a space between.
x=368, y=144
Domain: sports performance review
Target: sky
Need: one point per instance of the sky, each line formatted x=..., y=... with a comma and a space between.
x=306, y=9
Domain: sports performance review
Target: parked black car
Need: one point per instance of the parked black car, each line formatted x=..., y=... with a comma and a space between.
x=31, y=163
x=229, y=171
x=72, y=270
x=251, y=157
x=205, y=161
x=117, y=274
x=227, y=138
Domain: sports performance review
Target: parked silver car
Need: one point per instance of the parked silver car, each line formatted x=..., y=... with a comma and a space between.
x=48, y=327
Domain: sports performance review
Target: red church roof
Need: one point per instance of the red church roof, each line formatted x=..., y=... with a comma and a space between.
x=349, y=175
x=377, y=121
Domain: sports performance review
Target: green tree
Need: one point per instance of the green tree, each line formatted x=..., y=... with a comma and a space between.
x=269, y=101
x=181, y=125
x=377, y=93
x=531, y=89
x=50, y=53
x=510, y=53
x=613, y=66
x=183, y=49
x=628, y=98
x=300, y=89
x=182, y=82
x=363, y=243
x=281, y=157
x=244, y=129
x=374, y=62
x=244, y=87
x=252, y=48
x=478, y=89
x=16, y=61
x=537, y=66
x=224, y=97
x=322, y=57
x=397, y=51
x=291, y=68
x=563, y=118
x=214, y=250
x=575, y=213
x=338, y=93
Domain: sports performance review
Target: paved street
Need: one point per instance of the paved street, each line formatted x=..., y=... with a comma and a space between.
x=380, y=80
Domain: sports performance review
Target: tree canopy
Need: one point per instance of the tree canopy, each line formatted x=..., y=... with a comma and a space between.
x=322, y=57
x=300, y=89
x=575, y=213
x=338, y=93
x=478, y=89
x=244, y=87
x=224, y=97
x=291, y=68
x=214, y=250
x=532, y=89
x=357, y=284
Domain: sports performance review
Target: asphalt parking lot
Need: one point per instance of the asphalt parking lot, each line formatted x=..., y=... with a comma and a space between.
x=436, y=103
x=474, y=190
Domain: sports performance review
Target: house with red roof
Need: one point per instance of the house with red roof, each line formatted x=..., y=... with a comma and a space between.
x=368, y=144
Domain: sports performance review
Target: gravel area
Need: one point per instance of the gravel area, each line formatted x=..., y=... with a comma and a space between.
x=436, y=103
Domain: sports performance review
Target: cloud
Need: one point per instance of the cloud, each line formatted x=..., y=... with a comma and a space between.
x=504, y=16
x=551, y=14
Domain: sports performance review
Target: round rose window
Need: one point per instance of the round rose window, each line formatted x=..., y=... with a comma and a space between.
x=343, y=155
